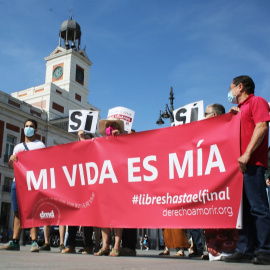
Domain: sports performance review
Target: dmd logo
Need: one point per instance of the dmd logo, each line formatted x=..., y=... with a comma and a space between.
x=44, y=215
x=45, y=209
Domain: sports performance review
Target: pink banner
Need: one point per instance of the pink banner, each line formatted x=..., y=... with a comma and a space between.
x=178, y=177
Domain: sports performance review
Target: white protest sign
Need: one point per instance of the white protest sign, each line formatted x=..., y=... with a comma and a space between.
x=189, y=113
x=124, y=114
x=82, y=119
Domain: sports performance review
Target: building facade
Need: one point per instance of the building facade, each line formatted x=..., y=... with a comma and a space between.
x=65, y=88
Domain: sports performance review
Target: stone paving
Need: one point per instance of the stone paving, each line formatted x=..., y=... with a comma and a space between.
x=144, y=260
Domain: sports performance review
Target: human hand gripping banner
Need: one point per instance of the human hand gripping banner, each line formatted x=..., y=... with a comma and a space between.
x=177, y=177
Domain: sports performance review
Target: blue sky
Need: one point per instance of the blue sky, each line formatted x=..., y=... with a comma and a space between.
x=140, y=48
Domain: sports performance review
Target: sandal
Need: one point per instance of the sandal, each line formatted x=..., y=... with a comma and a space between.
x=102, y=252
x=180, y=253
x=114, y=253
x=165, y=252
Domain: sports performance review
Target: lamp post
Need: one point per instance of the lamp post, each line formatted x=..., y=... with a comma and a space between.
x=168, y=112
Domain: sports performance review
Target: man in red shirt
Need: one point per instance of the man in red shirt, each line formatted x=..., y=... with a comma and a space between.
x=252, y=163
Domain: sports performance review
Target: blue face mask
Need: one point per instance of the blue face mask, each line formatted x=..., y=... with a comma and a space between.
x=232, y=98
x=29, y=131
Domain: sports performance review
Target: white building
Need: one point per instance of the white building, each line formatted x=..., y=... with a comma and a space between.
x=65, y=88
x=66, y=79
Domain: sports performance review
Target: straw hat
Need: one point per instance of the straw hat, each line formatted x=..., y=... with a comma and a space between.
x=103, y=124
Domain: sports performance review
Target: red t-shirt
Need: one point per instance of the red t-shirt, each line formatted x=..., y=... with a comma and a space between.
x=253, y=111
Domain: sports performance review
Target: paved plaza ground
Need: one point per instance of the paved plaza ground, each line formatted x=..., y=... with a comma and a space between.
x=144, y=260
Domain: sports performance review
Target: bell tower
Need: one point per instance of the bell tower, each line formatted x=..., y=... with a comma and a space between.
x=66, y=80
x=70, y=34
x=68, y=66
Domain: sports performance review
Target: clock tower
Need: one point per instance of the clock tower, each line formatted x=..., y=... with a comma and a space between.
x=68, y=66
x=66, y=80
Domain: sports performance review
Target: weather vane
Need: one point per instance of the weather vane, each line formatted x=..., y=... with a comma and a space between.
x=71, y=13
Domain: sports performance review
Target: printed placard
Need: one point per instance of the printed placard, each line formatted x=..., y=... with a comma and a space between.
x=189, y=113
x=124, y=114
x=85, y=120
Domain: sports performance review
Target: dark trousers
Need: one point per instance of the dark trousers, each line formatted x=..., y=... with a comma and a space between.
x=268, y=193
x=256, y=214
x=129, y=238
x=197, y=239
x=88, y=232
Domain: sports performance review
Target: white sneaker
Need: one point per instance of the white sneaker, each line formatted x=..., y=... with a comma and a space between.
x=34, y=247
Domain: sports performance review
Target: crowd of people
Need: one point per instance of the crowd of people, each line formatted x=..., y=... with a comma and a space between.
x=251, y=244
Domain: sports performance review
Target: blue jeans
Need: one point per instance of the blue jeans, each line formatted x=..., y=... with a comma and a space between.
x=256, y=214
x=14, y=201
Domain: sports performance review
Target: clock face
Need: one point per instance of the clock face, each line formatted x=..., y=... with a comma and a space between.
x=58, y=72
x=79, y=75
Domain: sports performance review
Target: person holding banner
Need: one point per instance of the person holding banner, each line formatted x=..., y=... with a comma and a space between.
x=219, y=241
x=129, y=236
x=87, y=230
x=47, y=230
x=267, y=177
x=109, y=127
x=30, y=143
x=213, y=110
x=81, y=137
x=175, y=238
x=254, y=239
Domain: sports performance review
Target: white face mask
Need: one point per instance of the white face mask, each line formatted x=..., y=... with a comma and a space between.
x=232, y=98
x=29, y=131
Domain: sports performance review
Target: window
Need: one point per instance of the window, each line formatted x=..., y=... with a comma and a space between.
x=10, y=144
x=58, y=107
x=7, y=184
x=78, y=97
